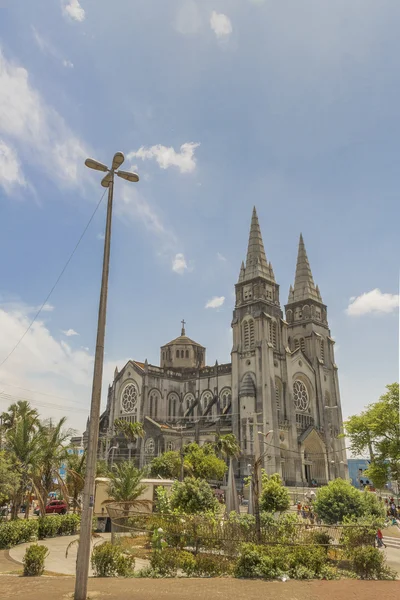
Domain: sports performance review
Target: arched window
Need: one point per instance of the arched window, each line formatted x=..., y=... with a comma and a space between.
x=303, y=345
x=129, y=398
x=273, y=334
x=296, y=344
x=182, y=354
x=248, y=334
x=153, y=403
x=278, y=398
x=322, y=350
x=188, y=402
x=300, y=396
x=225, y=398
x=187, y=353
x=172, y=405
x=177, y=354
x=206, y=401
x=170, y=446
x=149, y=447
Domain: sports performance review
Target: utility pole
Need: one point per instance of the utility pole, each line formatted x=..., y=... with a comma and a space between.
x=85, y=537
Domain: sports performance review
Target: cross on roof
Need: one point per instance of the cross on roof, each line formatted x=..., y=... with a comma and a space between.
x=183, y=326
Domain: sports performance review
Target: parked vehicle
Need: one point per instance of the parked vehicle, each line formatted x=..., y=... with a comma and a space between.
x=59, y=507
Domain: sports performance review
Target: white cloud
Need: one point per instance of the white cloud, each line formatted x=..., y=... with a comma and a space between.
x=221, y=257
x=167, y=157
x=373, y=302
x=100, y=236
x=68, y=64
x=221, y=25
x=69, y=332
x=38, y=130
x=11, y=174
x=46, y=308
x=73, y=10
x=215, y=302
x=50, y=374
x=179, y=264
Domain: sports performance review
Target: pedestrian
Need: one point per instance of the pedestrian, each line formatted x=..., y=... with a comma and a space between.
x=299, y=508
x=379, y=539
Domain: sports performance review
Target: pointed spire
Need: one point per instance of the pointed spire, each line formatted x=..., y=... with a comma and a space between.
x=304, y=286
x=115, y=372
x=256, y=261
x=241, y=274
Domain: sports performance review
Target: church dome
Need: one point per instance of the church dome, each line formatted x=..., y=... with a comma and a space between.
x=182, y=352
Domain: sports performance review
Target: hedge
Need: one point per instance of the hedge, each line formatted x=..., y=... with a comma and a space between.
x=26, y=530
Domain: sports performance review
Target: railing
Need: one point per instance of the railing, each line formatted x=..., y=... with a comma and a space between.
x=303, y=421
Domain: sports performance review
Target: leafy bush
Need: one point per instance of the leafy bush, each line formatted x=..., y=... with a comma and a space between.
x=193, y=496
x=17, y=532
x=321, y=538
x=33, y=560
x=109, y=561
x=271, y=562
x=163, y=503
x=49, y=526
x=369, y=563
x=274, y=496
x=337, y=500
x=69, y=524
x=372, y=506
x=210, y=565
x=165, y=563
x=359, y=532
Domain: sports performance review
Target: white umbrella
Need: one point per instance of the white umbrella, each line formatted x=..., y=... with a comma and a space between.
x=232, y=501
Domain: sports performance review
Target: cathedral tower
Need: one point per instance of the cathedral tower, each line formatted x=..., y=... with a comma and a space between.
x=257, y=337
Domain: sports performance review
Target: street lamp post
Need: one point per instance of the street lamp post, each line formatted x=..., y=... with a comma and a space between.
x=83, y=558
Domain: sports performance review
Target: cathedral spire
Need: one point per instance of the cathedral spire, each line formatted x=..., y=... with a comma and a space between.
x=256, y=261
x=304, y=286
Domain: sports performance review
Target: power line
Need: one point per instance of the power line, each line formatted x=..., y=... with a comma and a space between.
x=55, y=283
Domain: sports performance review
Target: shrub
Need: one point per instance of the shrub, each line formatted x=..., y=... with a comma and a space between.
x=274, y=496
x=109, y=561
x=211, y=565
x=369, y=563
x=271, y=562
x=68, y=524
x=49, y=526
x=33, y=560
x=372, y=506
x=321, y=538
x=337, y=500
x=17, y=532
x=165, y=563
x=193, y=496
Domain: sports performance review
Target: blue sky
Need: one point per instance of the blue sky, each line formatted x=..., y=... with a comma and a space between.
x=219, y=105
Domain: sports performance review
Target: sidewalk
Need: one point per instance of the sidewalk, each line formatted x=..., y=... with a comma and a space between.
x=61, y=588
x=56, y=562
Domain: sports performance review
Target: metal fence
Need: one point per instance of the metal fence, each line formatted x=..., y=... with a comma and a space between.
x=227, y=534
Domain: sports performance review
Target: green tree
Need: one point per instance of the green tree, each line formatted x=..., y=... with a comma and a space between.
x=167, y=465
x=377, y=431
x=372, y=506
x=75, y=480
x=192, y=496
x=274, y=496
x=202, y=462
x=337, y=500
x=126, y=485
x=227, y=446
x=130, y=431
x=9, y=479
x=51, y=454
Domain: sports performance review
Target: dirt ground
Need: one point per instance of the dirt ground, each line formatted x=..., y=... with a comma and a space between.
x=57, y=588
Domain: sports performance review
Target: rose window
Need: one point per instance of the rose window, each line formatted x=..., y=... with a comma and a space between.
x=129, y=398
x=300, y=396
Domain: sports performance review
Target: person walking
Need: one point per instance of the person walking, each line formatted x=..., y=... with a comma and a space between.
x=379, y=539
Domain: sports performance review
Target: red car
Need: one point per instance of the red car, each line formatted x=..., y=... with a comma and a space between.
x=57, y=506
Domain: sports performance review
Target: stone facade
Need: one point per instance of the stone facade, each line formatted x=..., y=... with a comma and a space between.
x=282, y=381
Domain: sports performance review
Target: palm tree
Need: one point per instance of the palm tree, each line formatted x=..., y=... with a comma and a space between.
x=23, y=444
x=130, y=431
x=227, y=446
x=76, y=467
x=17, y=411
x=53, y=452
x=125, y=486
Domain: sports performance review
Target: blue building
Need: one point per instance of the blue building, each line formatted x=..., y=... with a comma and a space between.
x=357, y=466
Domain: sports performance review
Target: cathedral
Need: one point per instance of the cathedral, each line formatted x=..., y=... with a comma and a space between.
x=282, y=381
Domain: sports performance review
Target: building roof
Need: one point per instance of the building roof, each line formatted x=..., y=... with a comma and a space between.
x=183, y=339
